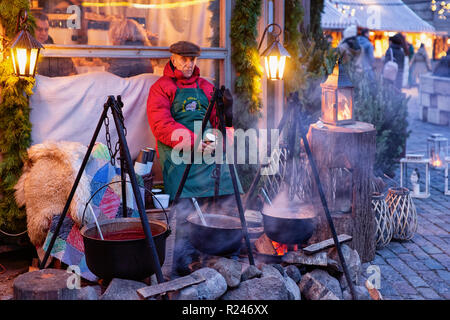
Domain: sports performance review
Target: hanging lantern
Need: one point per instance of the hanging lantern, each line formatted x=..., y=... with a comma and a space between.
x=337, y=98
x=24, y=50
x=274, y=56
x=437, y=146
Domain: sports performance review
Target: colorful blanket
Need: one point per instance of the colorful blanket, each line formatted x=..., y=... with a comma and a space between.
x=106, y=204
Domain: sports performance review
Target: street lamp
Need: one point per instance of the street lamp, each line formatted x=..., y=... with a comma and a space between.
x=274, y=56
x=24, y=49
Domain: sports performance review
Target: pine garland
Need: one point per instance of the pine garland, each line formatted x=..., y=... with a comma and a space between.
x=246, y=60
x=294, y=73
x=15, y=125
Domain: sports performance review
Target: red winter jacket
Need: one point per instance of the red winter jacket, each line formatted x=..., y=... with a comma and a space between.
x=160, y=101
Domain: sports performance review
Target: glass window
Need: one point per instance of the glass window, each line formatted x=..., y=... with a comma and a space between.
x=132, y=22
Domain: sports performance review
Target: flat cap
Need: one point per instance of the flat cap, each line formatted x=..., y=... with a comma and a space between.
x=185, y=48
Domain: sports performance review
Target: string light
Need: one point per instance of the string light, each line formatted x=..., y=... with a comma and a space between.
x=442, y=8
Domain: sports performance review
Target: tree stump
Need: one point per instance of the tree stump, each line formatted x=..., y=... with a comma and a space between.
x=344, y=156
x=46, y=284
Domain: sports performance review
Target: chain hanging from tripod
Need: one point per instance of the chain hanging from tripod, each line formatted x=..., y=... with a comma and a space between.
x=108, y=135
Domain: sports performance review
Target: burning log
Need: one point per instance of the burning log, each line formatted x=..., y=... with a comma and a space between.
x=264, y=245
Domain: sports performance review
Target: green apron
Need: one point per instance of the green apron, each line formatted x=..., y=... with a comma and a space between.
x=189, y=105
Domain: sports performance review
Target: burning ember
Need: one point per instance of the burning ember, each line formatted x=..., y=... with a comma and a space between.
x=282, y=249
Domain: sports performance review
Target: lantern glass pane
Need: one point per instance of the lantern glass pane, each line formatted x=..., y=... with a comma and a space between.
x=328, y=101
x=437, y=151
x=282, y=64
x=273, y=67
x=21, y=55
x=13, y=57
x=344, y=104
x=33, y=59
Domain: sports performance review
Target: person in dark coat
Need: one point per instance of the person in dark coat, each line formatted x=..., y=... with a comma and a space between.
x=396, y=52
x=51, y=67
x=443, y=67
x=129, y=32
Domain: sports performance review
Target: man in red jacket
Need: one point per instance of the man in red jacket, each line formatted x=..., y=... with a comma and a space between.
x=175, y=102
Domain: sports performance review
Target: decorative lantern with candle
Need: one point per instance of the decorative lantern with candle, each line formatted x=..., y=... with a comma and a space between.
x=274, y=56
x=24, y=49
x=437, y=146
x=337, y=98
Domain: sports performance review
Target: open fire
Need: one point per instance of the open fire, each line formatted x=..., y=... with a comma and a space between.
x=281, y=249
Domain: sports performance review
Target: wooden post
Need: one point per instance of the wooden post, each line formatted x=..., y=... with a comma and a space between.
x=351, y=147
x=46, y=284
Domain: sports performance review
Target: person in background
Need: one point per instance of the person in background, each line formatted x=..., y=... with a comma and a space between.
x=442, y=69
x=128, y=32
x=405, y=47
x=420, y=64
x=411, y=69
x=350, y=49
x=42, y=27
x=51, y=67
x=396, y=53
x=368, y=60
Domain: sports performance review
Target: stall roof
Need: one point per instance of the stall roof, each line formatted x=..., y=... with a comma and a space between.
x=383, y=15
x=332, y=18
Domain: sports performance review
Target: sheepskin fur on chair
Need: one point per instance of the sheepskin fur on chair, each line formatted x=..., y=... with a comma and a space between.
x=47, y=179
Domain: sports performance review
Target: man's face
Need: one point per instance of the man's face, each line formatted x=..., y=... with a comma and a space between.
x=184, y=64
x=41, y=31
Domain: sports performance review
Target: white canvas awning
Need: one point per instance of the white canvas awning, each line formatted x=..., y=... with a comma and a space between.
x=332, y=18
x=382, y=15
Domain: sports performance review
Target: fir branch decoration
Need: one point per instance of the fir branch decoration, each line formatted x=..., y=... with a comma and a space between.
x=15, y=125
x=294, y=75
x=246, y=60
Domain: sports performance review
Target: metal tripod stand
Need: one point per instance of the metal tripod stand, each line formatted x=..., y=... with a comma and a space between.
x=294, y=112
x=125, y=166
x=217, y=99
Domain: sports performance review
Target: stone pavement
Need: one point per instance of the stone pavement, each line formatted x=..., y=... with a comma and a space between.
x=420, y=268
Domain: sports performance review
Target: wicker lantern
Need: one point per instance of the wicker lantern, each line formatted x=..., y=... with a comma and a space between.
x=337, y=98
x=383, y=219
x=403, y=213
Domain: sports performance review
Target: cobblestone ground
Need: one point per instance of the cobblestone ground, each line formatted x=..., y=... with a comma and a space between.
x=419, y=268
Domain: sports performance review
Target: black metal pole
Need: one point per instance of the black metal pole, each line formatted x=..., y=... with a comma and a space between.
x=188, y=166
x=231, y=168
x=123, y=177
x=325, y=206
x=145, y=224
x=75, y=184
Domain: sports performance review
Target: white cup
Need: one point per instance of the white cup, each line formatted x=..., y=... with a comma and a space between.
x=163, y=199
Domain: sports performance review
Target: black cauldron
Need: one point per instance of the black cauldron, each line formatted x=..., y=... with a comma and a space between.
x=123, y=258
x=221, y=236
x=289, y=229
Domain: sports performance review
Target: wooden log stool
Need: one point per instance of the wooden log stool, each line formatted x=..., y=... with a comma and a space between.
x=46, y=284
x=344, y=157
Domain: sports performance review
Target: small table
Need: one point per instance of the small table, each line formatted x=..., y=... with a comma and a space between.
x=404, y=172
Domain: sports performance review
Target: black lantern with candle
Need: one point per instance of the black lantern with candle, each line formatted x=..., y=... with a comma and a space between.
x=337, y=98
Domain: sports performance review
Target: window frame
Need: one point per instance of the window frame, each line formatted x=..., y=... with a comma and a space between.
x=222, y=53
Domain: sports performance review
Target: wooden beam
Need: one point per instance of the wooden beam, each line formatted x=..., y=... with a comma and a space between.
x=173, y=285
x=316, y=247
x=85, y=51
